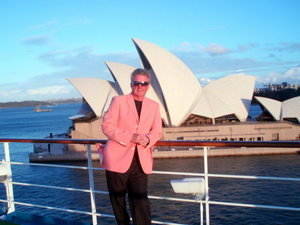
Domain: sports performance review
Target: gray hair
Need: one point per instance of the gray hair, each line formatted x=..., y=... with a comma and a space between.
x=140, y=71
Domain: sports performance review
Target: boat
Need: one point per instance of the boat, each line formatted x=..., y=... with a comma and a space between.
x=196, y=184
x=39, y=109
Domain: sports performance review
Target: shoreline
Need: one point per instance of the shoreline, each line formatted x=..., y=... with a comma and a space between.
x=212, y=152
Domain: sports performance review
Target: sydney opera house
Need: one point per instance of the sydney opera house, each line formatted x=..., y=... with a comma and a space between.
x=217, y=111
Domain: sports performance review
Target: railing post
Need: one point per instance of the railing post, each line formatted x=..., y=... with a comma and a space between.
x=205, y=159
x=8, y=184
x=201, y=213
x=92, y=185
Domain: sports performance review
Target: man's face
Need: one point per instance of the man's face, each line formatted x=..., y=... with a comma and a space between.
x=139, y=87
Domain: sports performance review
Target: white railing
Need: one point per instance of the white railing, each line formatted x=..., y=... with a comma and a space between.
x=6, y=177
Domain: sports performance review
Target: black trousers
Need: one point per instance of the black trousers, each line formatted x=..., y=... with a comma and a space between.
x=135, y=183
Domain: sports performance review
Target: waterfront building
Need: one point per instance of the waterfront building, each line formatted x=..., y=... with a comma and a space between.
x=282, y=86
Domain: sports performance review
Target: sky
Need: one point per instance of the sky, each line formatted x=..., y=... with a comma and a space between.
x=43, y=43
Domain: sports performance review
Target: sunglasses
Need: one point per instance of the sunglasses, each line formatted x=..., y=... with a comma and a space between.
x=138, y=83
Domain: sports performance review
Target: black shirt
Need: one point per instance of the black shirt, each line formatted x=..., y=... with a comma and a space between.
x=138, y=105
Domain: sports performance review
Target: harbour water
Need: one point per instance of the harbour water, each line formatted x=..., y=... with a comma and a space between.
x=24, y=123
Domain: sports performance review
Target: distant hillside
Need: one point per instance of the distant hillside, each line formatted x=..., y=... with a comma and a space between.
x=38, y=103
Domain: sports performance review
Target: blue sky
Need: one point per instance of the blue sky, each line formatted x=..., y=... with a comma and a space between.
x=45, y=42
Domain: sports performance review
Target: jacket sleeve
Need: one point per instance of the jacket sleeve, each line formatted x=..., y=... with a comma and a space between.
x=156, y=130
x=110, y=128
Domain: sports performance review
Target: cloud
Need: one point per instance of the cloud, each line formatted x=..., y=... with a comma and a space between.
x=68, y=63
x=84, y=62
x=187, y=47
x=50, y=90
x=44, y=26
x=201, y=63
x=288, y=46
x=210, y=49
x=55, y=25
x=216, y=60
x=37, y=40
x=204, y=81
x=283, y=47
x=37, y=90
x=207, y=63
x=246, y=47
x=216, y=49
x=213, y=49
x=293, y=73
x=7, y=93
x=291, y=76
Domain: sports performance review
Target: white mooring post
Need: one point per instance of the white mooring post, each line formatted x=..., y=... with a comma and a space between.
x=92, y=186
x=8, y=184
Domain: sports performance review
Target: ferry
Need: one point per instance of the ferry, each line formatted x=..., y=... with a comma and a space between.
x=194, y=185
x=39, y=109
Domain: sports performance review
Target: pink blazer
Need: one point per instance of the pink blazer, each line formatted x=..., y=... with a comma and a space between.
x=120, y=122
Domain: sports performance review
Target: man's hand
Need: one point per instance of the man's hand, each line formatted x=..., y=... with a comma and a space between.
x=140, y=139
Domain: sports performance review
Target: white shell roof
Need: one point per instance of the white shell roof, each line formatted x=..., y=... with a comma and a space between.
x=178, y=84
x=122, y=74
x=229, y=95
x=211, y=106
x=272, y=106
x=97, y=92
x=291, y=108
x=279, y=110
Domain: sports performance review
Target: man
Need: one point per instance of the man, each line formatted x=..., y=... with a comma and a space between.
x=133, y=125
